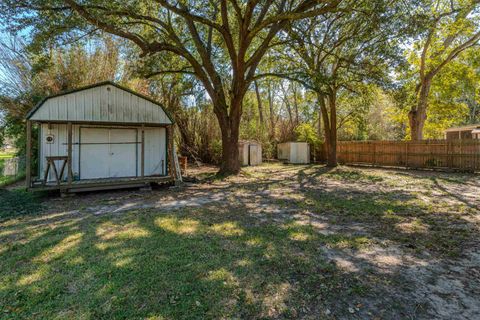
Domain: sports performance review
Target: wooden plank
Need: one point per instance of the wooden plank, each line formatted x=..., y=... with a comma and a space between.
x=103, y=187
x=104, y=183
x=171, y=169
x=55, y=172
x=28, y=160
x=47, y=170
x=142, y=154
x=69, y=153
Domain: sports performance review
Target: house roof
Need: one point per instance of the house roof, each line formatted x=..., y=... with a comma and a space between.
x=114, y=105
x=463, y=128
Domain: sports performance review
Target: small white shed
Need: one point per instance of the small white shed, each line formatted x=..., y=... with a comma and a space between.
x=294, y=152
x=100, y=137
x=250, y=153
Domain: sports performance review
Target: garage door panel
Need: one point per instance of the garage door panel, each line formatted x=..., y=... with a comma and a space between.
x=155, y=151
x=123, y=160
x=94, y=135
x=108, y=153
x=94, y=161
x=123, y=135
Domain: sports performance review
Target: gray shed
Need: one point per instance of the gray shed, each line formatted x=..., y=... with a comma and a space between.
x=250, y=153
x=100, y=137
x=294, y=152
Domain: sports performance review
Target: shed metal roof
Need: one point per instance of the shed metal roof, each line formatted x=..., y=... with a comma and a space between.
x=102, y=102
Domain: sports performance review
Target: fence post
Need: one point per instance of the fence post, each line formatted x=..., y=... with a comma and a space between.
x=477, y=155
x=406, y=154
x=69, y=154
x=446, y=154
x=28, y=160
x=462, y=162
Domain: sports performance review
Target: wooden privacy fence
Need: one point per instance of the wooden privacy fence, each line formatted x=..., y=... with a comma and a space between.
x=441, y=154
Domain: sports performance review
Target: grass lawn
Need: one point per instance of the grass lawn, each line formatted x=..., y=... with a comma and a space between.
x=6, y=155
x=276, y=242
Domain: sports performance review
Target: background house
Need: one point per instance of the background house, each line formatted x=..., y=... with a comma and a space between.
x=465, y=132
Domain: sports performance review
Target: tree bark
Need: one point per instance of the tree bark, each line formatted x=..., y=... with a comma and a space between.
x=319, y=117
x=230, y=128
x=295, y=103
x=418, y=114
x=271, y=114
x=230, y=162
x=330, y=126
x=259, y=104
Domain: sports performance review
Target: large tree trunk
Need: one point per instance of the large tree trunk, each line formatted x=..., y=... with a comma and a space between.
x=330, y=127
x=230, y=162
x=319, y=118
x=230, y=128
x=418, y=114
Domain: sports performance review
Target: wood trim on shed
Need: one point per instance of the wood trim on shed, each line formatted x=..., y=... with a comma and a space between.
x=28, y=160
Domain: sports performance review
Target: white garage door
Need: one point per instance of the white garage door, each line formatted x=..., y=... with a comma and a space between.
x=155, y=151
x=108, y=153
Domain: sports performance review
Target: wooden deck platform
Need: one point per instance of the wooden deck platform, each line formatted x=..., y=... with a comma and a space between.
x=100, y=184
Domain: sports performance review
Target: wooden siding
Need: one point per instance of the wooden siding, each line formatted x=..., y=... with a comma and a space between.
x=104, y=103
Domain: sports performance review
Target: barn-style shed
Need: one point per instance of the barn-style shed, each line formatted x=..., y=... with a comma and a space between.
x=102, y=136
x=294, y=152
x=250, y=153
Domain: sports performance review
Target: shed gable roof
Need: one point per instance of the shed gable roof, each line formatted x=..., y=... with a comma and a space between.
x=102, y=102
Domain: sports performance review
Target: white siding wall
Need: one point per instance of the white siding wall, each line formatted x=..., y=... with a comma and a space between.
x=255, y=154
x=255, y=149
x=105, y=103
x=294, y=152
x=58, y=147
x=155, y=148
x=299, y=153
x=243, y=154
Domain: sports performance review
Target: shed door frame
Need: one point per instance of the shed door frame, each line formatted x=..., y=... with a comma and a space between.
x=105, y=143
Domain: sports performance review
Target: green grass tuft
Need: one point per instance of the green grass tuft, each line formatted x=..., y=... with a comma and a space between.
x=19, y=202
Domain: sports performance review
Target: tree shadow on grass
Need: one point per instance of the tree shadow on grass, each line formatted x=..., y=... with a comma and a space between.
x=400, y=216
x=219, y=261
x=182, y=265
x=473, y=204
